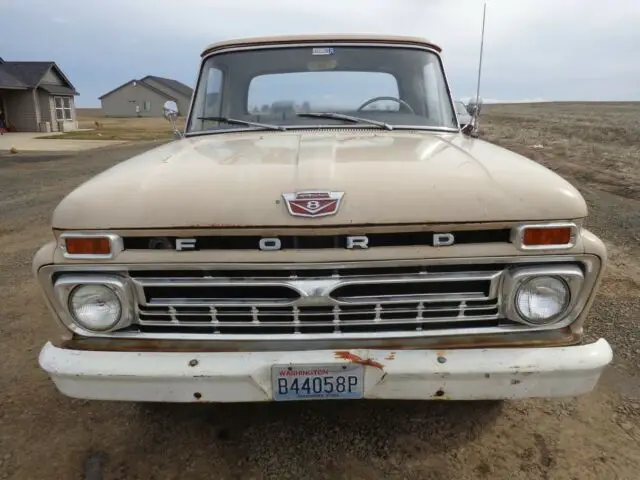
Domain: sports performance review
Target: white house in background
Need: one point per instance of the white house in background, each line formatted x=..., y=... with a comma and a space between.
x=145, y=97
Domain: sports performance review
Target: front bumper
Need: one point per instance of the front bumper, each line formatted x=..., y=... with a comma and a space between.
x=464, y=374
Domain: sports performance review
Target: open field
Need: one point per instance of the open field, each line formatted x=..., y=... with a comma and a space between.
x=597, y=143
x=45, y=435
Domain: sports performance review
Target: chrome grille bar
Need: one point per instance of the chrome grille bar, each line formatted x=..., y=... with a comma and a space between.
x=331, y=301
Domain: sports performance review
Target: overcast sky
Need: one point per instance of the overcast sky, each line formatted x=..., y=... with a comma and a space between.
x=534, y=49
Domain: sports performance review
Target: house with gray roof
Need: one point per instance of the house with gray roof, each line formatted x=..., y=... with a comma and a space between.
x=36, y=96
x=146, y=97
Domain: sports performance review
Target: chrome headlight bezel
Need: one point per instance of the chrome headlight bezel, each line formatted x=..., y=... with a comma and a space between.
x=571, y=275
x=66, y=284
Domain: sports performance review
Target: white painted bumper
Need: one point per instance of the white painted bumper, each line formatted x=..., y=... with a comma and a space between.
x=410, y=374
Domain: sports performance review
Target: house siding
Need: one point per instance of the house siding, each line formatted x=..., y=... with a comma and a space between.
x=46, y=109
x=122, y=102
x=22, y=110
x=182, y=100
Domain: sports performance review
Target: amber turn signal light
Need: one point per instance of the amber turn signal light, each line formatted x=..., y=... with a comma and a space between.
x=88, y=245
x=540, y=236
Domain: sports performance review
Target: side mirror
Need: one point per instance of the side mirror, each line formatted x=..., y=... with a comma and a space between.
x=474, y=107
x=170, y=110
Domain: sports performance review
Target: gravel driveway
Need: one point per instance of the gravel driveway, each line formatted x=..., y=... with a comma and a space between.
x=45, y=435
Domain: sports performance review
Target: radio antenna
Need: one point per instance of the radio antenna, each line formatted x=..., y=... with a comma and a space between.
x=477, y=102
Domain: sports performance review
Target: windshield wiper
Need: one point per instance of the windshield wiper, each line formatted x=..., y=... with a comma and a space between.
x=233, y=121
x=348, y=118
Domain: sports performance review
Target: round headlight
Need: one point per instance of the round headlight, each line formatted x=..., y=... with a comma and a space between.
x=541, y=299
x=95, y=307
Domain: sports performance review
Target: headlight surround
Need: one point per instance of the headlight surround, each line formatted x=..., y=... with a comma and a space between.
x=540, y=299
x=542, y=296
x=94, y=303
x=95, y=307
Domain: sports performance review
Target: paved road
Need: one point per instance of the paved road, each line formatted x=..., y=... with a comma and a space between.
x=45, y=435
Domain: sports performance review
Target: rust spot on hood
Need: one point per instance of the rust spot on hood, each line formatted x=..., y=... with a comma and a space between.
x=353, y=358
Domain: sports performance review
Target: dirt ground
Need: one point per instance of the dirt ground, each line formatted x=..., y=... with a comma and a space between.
x=44, y=435
x=126, y=129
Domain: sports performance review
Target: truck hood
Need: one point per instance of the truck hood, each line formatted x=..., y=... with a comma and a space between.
x=237, y=179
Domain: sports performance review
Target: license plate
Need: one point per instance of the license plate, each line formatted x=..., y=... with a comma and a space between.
x=316, y=382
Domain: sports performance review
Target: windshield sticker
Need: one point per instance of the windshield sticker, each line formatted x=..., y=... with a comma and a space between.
x=323, y=51
x=316, y=65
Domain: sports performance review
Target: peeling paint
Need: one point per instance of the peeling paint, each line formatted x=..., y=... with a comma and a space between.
x=391, y=356
x=353, y=358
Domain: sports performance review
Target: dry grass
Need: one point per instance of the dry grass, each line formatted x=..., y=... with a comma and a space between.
x=597, y=143
x=126, y=129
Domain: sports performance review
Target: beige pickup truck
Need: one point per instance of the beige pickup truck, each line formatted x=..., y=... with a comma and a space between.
x=322, y=229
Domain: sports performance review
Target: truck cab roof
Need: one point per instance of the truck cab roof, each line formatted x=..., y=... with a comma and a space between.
x=321, y=38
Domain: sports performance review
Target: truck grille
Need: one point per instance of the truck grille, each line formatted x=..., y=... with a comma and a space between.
x=318, y=301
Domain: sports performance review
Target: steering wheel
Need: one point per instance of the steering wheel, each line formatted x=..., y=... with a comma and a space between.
x=376, y=99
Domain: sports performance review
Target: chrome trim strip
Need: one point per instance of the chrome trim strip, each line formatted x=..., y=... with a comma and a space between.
x=354, y=323
x=517, y=236
x=426, y=262
x=116, y=245
x=318, y=314
x=591, y=265
x=319, y=291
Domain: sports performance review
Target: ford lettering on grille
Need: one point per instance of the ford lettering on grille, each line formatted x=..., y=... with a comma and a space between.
x=350, y=242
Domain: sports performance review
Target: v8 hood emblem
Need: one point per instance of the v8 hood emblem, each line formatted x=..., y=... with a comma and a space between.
x=313, y=203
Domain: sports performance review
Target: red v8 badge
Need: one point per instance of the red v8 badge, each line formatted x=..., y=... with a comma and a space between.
x=316, y=203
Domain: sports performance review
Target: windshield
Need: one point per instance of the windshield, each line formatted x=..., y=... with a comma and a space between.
x=461, y=109
x=402, y=87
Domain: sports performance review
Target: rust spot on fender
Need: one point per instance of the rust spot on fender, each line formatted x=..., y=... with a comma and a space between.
x=353, y=358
